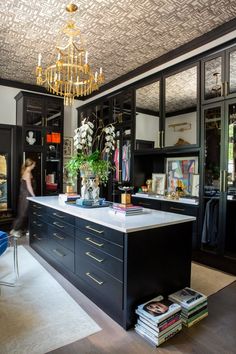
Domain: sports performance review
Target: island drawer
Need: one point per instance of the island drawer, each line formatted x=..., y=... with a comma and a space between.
x=104, y=285
x=39, y=236
x=102, y=260
x=38, y=214
x=147, y=203
x=180, y=208
x=61, y=226
x=62, y=238
x=62, y=255
x=60, y=216
x=100, y=230
x=100, y=243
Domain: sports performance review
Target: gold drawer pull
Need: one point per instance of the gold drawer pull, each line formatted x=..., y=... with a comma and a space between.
x=57, y=224
x=178, y=209
x=147, y=204
x=35, y=222
x=58, y=253
x=94, y=279
x=58, y=215
x=37, y=206
x=37, y=238
x=93, y=242
x=35, y=213
x=90, y=228
x=58, y=236
x=100, y=260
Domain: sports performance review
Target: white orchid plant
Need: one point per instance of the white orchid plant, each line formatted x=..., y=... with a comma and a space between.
x=93, y=149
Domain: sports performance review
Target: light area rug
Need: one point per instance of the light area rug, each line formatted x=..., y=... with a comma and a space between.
x=207, y=280
x=37, y=315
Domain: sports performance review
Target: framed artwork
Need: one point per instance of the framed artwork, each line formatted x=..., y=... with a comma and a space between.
x=180, y=171
x=158, y=183
x=67, y=146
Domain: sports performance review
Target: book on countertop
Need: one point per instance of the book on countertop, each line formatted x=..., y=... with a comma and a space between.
x=124, y=207
x=158, y=309
x=188, y=298
x=67, y=197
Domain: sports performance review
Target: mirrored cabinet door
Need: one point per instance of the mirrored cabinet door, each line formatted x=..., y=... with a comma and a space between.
x=34, y=111
x=181, y=106
x=213, y=78
x=147, y=121
x=230, y=85
x=53, y=113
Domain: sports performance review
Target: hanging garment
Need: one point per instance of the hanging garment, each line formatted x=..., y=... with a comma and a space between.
x=126, y=155
x=210, y=224
x=116, y=162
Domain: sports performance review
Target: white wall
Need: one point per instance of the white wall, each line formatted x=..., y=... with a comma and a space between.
x=8, y=110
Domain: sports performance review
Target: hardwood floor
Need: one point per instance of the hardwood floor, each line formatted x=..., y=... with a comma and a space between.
x=215, y=334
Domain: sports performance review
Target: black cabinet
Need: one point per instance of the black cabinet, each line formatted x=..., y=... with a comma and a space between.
x=8, y=175
x=40, y=137
x=56, y=238
x=218, y=231
x=172, y=207
x=116, y=270
x=117, y=109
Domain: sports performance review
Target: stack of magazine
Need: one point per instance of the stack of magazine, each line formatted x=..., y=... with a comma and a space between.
x=158, y=320
x=126, y=209
x=193, y=304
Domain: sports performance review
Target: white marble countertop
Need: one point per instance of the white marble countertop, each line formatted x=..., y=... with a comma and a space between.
x=182, y=200
x=149, y=218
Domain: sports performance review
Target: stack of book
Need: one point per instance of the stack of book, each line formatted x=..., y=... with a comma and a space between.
x=158, y=320
x=127, y=209
x=193, y=304
x=69, y=197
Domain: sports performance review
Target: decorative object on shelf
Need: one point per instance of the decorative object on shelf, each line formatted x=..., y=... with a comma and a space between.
x=93, y=145
x=126, y=197
x=180, y=127
x=67, y=146
x=70, y=75
x=181, y=169
x=149, y=185
x=158, y=183
x=30, y=139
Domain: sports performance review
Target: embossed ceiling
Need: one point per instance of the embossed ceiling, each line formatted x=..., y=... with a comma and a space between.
x=119, y=35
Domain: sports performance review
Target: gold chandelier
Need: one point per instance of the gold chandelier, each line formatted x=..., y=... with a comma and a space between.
x=70, y=76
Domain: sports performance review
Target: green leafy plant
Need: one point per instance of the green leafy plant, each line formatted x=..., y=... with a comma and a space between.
x=93, y=151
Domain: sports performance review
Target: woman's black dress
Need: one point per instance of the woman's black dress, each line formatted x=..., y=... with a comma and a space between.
x=21, y=221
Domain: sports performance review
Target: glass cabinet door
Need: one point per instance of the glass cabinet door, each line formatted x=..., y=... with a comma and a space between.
x=34, y=112
x=229, y=180
x=181, y=108
x=213, y=118
x=213, y=78
x=230, y=84
x=147, y=120
x=53, y=113
x=52, y=163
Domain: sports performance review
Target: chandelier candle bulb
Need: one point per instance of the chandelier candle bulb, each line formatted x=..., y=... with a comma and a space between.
x=39, y=59
x=86, y=57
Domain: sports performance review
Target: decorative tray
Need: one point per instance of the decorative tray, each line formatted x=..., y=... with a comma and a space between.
x=104, y=204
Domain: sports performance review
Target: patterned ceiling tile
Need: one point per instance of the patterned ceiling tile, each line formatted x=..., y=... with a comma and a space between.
x=119, y=35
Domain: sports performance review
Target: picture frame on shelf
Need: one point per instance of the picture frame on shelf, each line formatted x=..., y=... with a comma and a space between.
x=67, y=146
x=180, y=171
x=158, y=183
